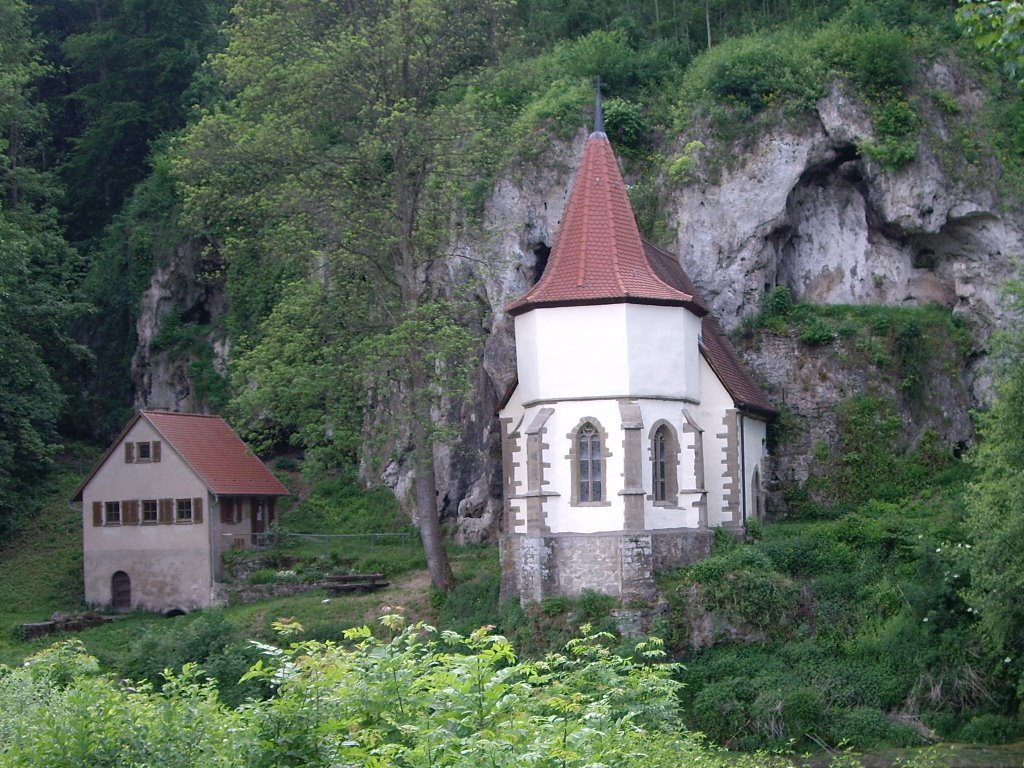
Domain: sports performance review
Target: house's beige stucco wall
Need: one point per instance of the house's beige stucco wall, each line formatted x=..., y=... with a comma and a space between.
x=170, y=566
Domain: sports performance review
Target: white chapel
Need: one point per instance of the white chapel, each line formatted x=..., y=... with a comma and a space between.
x=633, y=429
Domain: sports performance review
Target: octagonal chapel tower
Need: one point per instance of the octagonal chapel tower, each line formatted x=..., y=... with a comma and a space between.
x=633, y=428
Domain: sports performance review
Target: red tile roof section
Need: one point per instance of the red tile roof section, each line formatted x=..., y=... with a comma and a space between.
x=216, y=453
x=715, y=345
x=598, y=257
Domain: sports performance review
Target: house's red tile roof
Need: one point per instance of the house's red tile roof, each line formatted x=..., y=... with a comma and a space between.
x=598, y=257
x=216, y=453
x=211, y=448
x=715, y=345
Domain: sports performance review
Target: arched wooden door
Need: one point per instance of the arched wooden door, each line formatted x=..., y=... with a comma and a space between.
x=121, y=591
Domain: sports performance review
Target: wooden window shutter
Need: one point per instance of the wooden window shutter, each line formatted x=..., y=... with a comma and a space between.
x=197, y=509
x=130, y=512
x=154, y=453
x=227, y=510
x=166, y=511
x=129, y=453
x=97, y=513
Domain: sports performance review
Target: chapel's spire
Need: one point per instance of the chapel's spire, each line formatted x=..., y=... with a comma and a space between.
x=598, y=256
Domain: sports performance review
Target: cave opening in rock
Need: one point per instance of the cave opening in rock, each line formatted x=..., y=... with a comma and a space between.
x=198, y=314
x=541, y=252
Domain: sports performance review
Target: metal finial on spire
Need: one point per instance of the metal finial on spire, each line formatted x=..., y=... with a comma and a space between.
x=598, y=110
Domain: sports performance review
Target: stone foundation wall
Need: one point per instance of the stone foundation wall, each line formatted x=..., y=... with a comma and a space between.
x=618, y=564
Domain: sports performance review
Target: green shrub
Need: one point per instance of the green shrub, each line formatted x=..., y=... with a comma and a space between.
x=472, y=604
x=625, y=125
x=593, y=607
x=816, y=332
x=741, y=585
x=865, y=728
x=990, y=728
x=876, y=59
x=754, y=73
x=722, y=710
x=778, y=302
x=341, y=505
x=554, y=606
x=263, y=576
x=802, y=712
x=896, y=133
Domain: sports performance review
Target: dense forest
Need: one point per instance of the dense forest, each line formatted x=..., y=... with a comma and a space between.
x=317, y=160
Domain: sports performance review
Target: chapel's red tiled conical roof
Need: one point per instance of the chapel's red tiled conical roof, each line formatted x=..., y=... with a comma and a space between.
x=598, y=257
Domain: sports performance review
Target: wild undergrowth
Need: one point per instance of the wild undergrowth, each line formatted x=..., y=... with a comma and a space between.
x=847, y=629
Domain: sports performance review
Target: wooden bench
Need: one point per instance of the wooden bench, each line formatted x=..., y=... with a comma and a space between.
x=353, y=582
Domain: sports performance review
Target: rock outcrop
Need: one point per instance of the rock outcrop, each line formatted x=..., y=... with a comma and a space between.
x=189, y=291
x=804, y=209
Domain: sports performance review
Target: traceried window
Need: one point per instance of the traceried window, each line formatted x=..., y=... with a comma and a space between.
x=588, y=452
x=112, y=513
x=664, y=465
x=660, y=458
x=183, y=510
x=149, y=511
x=588, y=455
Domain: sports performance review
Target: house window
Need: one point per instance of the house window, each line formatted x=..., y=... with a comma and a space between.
x=149, y=511
x=587, y=453
x=112, y=513
x=183, y=510
x=230, y=510
x=142, y=452
x=664, y=465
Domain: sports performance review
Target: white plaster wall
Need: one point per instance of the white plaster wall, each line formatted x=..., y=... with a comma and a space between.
x=663, y=351
x=571, y=352
x=527, y=360
x=755, y=442
x=715, y=401
x=683, y=515
x=169, y=565
x=707, y=402
x=607, y=350
x=561, y=516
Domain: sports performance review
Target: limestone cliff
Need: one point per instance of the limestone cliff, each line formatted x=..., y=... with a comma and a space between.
x=805, y=210
x=187, y=289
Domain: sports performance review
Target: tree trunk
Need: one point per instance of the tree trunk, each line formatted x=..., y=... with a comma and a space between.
x=707, y=20
x=425, y=491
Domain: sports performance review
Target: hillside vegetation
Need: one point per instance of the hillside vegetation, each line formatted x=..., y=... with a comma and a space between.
x=314, y=159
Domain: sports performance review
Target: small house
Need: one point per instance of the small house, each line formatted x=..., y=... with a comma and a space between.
x=168, y=498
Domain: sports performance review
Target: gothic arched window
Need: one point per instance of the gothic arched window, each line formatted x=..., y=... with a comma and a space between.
x=588, y=452
x=664, y=465
x=660, y=458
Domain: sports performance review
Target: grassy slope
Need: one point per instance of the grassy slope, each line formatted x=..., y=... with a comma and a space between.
x=41, y=566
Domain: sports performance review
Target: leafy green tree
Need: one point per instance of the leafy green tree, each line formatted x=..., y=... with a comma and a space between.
x=296, y=385
x=339, y=157
x=37, y=270
x=997, y=26
x=128, y=65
